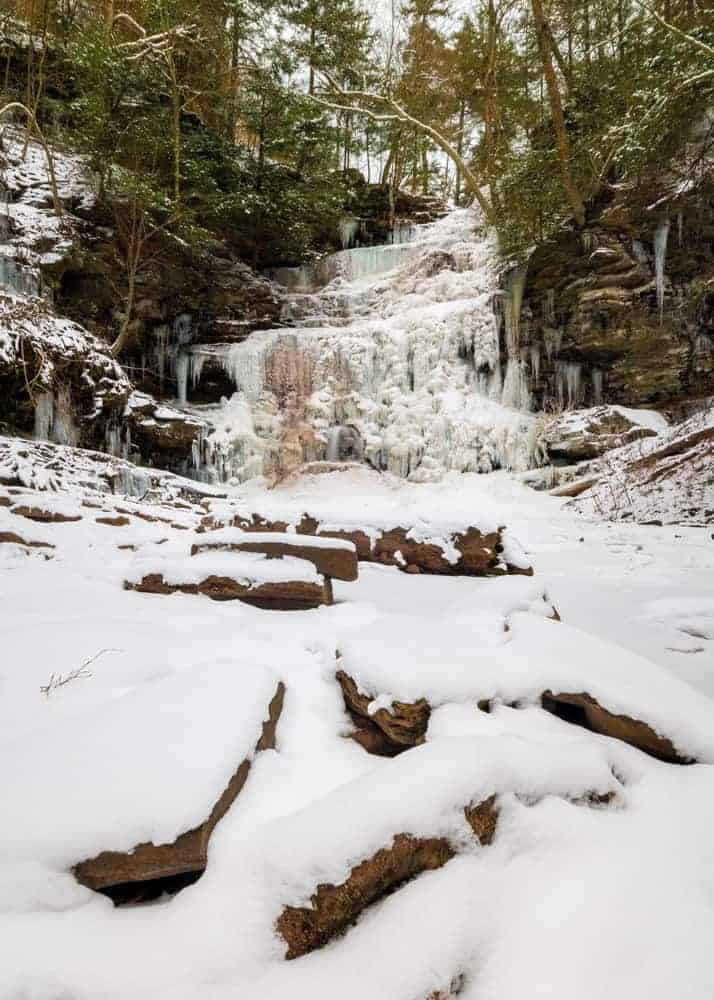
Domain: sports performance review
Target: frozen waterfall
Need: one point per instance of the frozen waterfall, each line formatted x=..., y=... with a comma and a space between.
x=411, y=382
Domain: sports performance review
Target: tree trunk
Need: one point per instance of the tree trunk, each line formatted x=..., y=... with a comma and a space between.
x=556, y=108
x=460, y=151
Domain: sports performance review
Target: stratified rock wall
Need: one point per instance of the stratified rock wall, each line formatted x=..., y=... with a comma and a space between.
x=622, y=312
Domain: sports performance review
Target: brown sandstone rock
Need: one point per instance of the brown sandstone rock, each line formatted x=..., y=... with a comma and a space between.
x=119, y=521
x=338, y=563
x=44, y=516
x=334, y=907
x=187, y=854
x=291, y=595
x=386, y=732
x=479, y=554
x=11, y=538
x=583, y=710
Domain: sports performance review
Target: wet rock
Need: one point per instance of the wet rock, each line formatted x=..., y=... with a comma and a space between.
x=112, y=871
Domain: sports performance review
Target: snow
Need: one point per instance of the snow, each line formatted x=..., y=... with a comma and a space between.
x=142, y=747
x=235, y=536
x=61, y=809
x=667, y=477
x=250, y=568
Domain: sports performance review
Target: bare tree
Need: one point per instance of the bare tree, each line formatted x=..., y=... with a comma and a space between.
x=135, y=233
x=385, y=109
x=545, y=48
x=34, y=127
x=161, y=50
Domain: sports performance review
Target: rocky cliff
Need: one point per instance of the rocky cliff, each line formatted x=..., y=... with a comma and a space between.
x=621, y=312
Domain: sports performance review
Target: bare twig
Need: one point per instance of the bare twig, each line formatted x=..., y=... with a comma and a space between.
x=79, y=673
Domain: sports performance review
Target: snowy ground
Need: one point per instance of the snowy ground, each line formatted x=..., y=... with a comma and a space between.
x=569, y=901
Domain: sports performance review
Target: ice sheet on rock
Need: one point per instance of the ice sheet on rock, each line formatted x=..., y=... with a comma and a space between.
x=145, y=766
x=251, y=568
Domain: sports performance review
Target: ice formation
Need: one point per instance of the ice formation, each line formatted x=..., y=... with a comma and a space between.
x=401, y=345
x=660, y=249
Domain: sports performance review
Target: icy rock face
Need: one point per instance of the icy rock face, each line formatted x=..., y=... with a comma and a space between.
x=414, y=368
x=57, y=380
x=617, y=319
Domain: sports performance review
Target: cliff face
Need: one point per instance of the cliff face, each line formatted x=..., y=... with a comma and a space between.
x=622, y=312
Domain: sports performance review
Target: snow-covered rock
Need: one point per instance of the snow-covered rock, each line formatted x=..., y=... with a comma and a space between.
x=666, y=478
x=577, y=435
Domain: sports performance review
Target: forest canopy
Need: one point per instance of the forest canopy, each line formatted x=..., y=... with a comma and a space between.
x=261, y=122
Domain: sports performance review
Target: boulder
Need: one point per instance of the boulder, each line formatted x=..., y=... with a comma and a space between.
x=586, y=434
x=334, y=907
x=582, y=709
x=116, y=872
x=666, y=479
x=466, y=551
x=292, y=595
x=336, y=558
x=119, y=521
x=384, y=731
x=10, y=538
x=282, y=583
x=44, y=516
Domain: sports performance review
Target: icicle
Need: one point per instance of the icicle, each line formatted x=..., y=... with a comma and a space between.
x=332, y=453
x=598, y=381
x=54, y=419
x=64, y=429
x=18, y=278
x=44, y=414
x=183, y=328
x=367, y=262
x=549, y=307
x=349, y=228
x=660, y=251
x=515, y=286
x=402, y=231
x=568, y=384
x=516, y=390
x=160, y=350
x=182, y=366
x=639, y=252
x=588, y=241
x=535, y=360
